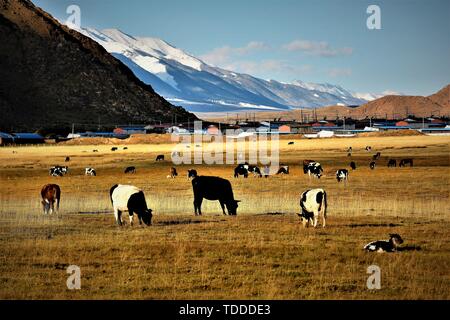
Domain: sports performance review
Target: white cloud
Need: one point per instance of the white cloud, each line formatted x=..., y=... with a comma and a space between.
x=316, y=48
x=338, y=72
x=223, y=55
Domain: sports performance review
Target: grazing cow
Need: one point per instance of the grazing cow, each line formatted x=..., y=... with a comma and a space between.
x=255, y=170
x=191, y=173
x=291, y=142
x=368, y=148
x=390, y=245
x=342, y=174
x=160, y=157
x=392, y=163
x=241, y=169
x=90, y=172
x=404, y=162
x=131, y=199
x=283, y=170
x=67, y=159
x=372, y=165
x=95, y=150
x=173, y=173
x=314, y=169
x=125, y=148
x=353, y=165
x=376, y=156
x=312, y=203
x=51, y=194
x=306, y=164
x=214, y=188
x=130, y=170
x=113, y=148
x=56, y=171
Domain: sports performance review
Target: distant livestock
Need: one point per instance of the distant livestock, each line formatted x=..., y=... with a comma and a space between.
x=214, y=188
x=350, y=150
x=372, y=165
x=160, y=157
x=255, y=170
x=131, y=199
x=58, y=171
x=368, y=148
x=130, y=170
x=51, y=195
x=67, y=159
x=113, y=148
x=342, y=175
x=90, y=172
x=283, y=170
x=191, y=173
x=390, y=245
x=173, y=173
x=392, y=163
x=313, y=203
x=241, y=170
x=125, y=148
x=291, y=143
x=314, y=169
x=353, y=165
x=95, y=150
x=404, y=162
x=305, y=165
x=376, y=156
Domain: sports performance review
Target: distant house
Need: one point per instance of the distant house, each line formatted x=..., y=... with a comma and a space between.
x=401, y=123
x=130, y=130
x=156, y=128
x=213, y=130
x=285, y=128
x=6, y=139
x=28, y=138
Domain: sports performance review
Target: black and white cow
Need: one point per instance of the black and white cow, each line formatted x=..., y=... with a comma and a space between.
x=313, y=203
x=255, y=170
x=192, y=173
x=314, y=169
x=173, y=173
x=404, y=162
x=353, y=165
x=283, y=170
x=342, y=175
x=390, y=245
x=56, y=171
x=160, y=157
x=241, y=170
x=372, y=165
x=368, y=148
x=214, y=188
x=392, y=163
x=306, y=164
x=131, y=199
x=90, y=172
x=130, y=170
x=51, y=195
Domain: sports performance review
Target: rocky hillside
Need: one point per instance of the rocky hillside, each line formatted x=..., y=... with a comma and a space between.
x=51, y=76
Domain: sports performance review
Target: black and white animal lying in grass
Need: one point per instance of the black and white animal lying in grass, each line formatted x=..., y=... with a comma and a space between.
x=385, y=245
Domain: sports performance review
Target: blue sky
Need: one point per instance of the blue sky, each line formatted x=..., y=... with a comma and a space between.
x=285, y=40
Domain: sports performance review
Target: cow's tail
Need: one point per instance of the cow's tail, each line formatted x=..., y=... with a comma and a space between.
x=324, y=204
x=111, y=192
x=58, y=197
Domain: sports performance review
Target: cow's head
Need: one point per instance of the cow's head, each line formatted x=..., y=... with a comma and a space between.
x=147, y=217
x=306, y=218
x=232, y=206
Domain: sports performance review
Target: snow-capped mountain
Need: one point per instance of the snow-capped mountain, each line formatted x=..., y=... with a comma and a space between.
x=187, y=81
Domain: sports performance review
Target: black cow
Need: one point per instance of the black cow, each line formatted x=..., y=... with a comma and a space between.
x=376, y=156
x=290, y=143
x=192, y=173
x=283, y=170
x=372, y=165
x=404, y=162
x=214, y=188
x=130, y=170
x=353, y=165
x=390, y=245
x=113, y=148
x=67, y=159
x=241, y=170
x=160, y=157
x=392, y=163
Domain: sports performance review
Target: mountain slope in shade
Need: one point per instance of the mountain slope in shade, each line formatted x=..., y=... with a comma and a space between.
x=201, y=88
x=53, y=76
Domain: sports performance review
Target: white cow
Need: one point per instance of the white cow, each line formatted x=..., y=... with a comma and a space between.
x=131, y=199
x=312, y=203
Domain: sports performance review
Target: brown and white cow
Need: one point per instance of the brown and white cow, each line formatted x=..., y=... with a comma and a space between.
x=51, y=194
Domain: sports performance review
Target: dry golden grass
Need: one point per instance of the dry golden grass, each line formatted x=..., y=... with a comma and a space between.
x=263, y=253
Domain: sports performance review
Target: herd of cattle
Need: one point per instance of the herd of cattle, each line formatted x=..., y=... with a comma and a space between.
x=313, y=202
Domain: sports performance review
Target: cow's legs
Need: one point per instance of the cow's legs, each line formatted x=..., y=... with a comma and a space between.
x=223, y=206
x=52, y=207
x=118, y=216
x=131, y=217
x=198, y=205
x=316, y=216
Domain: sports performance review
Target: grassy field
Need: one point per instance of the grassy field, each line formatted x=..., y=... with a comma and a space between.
x=262, y=253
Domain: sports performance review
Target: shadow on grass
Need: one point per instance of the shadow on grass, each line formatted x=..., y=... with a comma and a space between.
x=356, y=225
x=409, y=248
x=188, y=221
